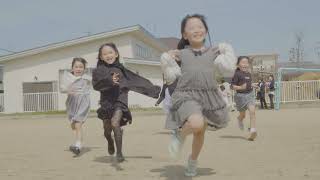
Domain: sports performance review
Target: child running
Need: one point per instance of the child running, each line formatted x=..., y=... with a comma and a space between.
x=114, y=82
x=244, y=97
x=77, y=85
x=196, y=101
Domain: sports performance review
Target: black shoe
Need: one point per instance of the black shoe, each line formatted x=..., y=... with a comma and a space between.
x=74, y=149
x=71, y=148
x=120, y=157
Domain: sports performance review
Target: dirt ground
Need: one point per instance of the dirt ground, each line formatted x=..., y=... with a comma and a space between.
x=287, y=147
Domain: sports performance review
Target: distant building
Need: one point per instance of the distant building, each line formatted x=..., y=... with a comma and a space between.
x=263, y=65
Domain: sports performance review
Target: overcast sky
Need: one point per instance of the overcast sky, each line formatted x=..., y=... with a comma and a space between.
x=251, y=26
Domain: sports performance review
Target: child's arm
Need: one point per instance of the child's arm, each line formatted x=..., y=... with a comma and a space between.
x=225, y=60
x=162, y=95
x=254, y=85
x=235, y=81
x=241, y=87
x=102, y=81
x=175, y=54
x=170, y=68
x=66, y=82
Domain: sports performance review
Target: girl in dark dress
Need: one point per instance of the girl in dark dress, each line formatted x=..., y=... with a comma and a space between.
x=114, y=82
x=244, y=97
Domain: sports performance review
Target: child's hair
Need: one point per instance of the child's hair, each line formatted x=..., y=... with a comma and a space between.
x=240, y=59
x=184, y=42
x=116, y=63
x=113, y=46
x=79, y=59
x=222, y=87
x=271, y=76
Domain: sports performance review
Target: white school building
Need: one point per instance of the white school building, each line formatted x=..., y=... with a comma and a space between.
x=31, y=77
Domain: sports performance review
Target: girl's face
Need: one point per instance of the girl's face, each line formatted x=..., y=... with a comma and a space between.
x=195, y=31
x=244, y=65
x=78, y=68
x=108, y=54
x=270, y=78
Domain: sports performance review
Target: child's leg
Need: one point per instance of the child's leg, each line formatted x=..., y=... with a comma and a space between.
x=253, y=132
x=72, y=126
x=197, y=126
x=271, y=101
x=115, y=121
x=252, y=112
x=261, y=102
x=107, y=134
x=265, y=103
x=242, y=115
x=78, y=130
x=189, y=127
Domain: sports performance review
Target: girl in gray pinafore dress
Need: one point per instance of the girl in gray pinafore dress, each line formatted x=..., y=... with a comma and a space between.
x=197, y=91
x=77, y=85
x=196, y=101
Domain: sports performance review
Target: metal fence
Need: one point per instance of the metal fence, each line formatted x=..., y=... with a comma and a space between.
x=40, y=102
x=300, y=91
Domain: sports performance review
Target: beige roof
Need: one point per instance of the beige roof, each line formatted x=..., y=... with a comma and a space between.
x=137, y=30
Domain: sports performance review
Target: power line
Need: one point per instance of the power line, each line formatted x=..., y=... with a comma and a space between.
x=7, y=50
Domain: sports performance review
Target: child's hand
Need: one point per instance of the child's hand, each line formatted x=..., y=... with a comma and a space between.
x=174, y=54
x=115, y=78
x=255, y=85
x=243, y=86
x=71, y=91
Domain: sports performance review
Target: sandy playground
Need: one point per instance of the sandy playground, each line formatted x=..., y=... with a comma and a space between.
x=287, y=147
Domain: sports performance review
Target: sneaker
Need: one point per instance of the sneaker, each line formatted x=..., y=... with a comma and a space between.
x=211, y=128
x=176, y=144
x=253, y=135
x=240, y=124
x=120, y=157
x=191, y=169
x=76, y=150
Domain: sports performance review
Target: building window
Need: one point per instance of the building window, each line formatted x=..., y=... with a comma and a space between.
x=143, y=51
x=39, y=87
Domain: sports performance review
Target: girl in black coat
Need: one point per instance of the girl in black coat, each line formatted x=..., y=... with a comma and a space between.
x=114, y=82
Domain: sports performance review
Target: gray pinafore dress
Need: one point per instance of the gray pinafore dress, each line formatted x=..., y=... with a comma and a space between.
x=197, y=91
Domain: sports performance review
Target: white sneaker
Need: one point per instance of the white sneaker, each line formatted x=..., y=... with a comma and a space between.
x=191, y=169
x=240, y=124
x=176, y=144
x=253, y=134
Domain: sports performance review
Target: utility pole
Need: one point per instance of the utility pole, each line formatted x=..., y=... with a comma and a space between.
x=296, y=54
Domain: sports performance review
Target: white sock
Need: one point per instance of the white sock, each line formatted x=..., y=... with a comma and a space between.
x=253, y=130
x=78, y=144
